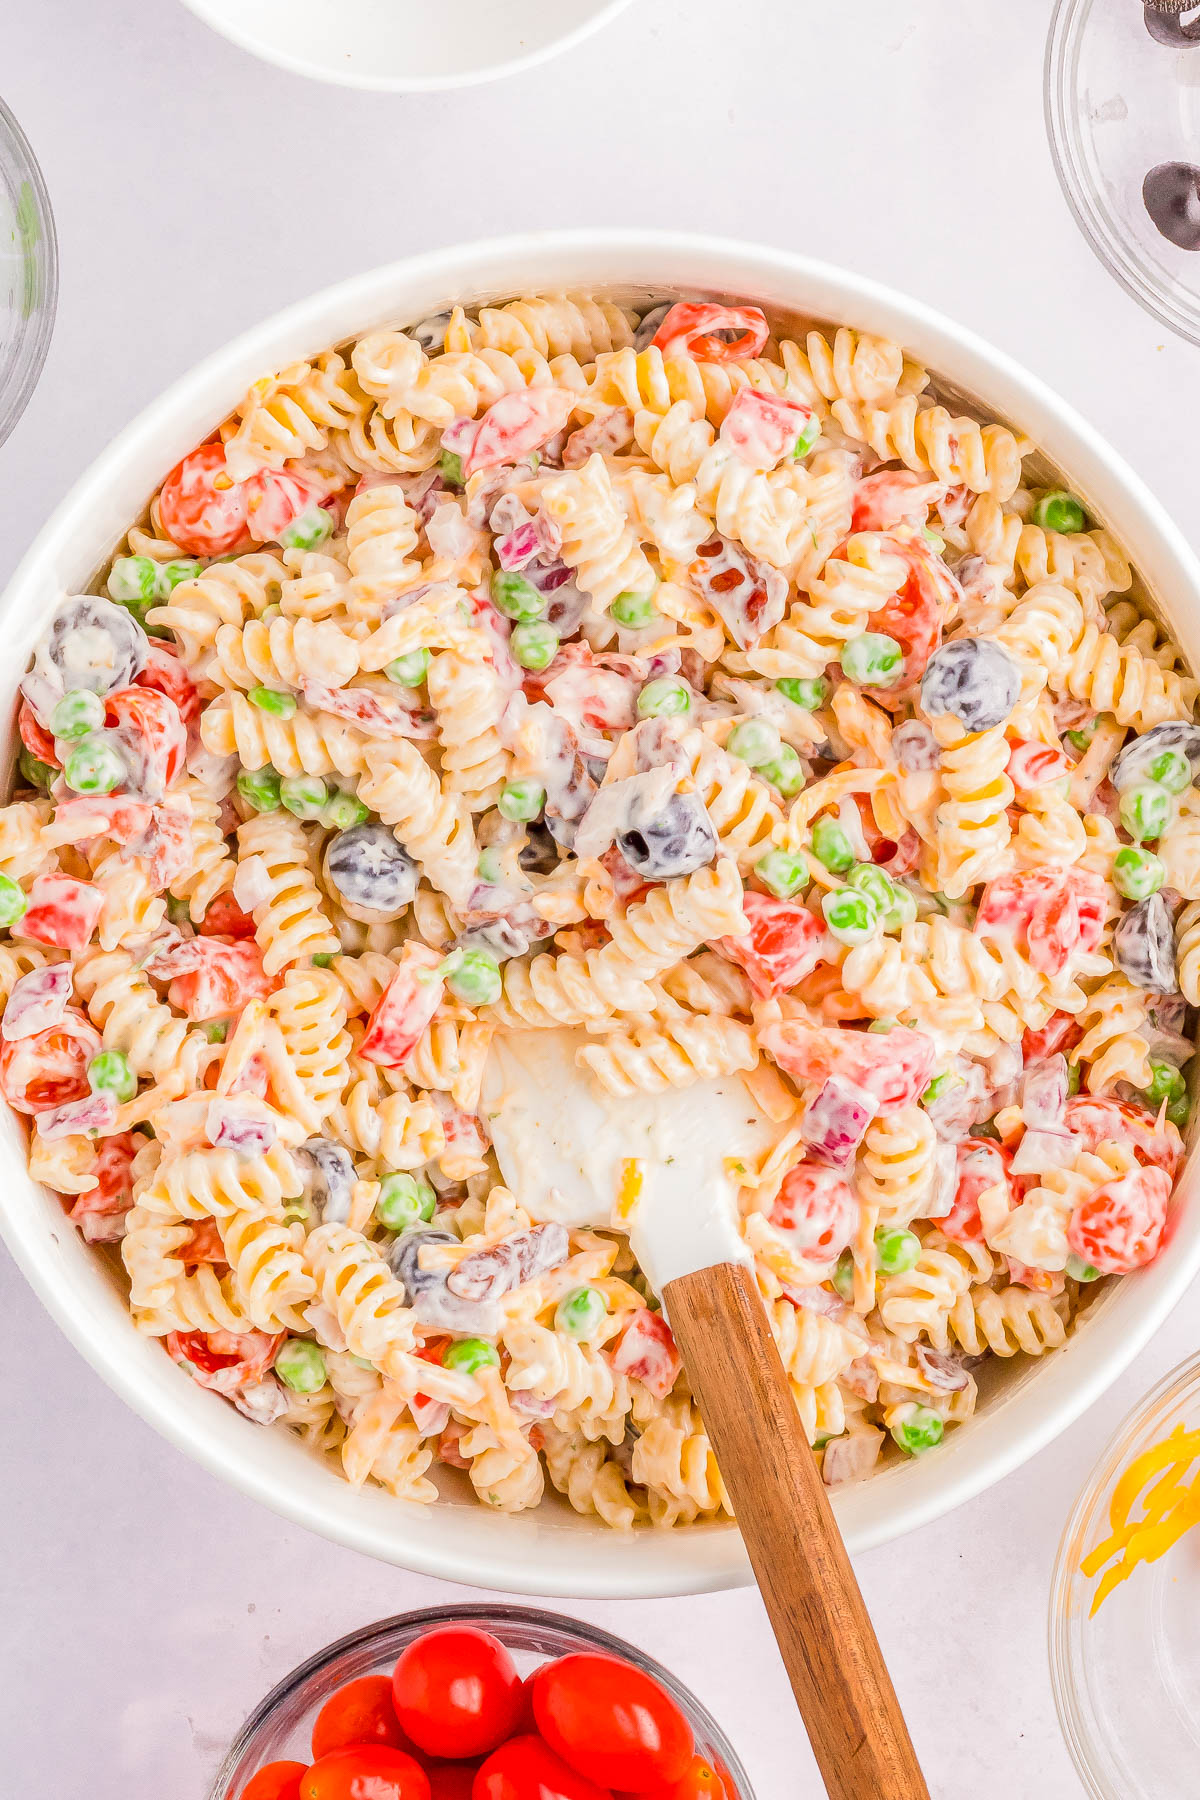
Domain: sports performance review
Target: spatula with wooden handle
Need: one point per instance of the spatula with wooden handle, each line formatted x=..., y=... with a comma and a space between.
x=566, y=1147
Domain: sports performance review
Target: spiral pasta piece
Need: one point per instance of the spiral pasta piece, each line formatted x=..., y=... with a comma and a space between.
x=203, y=1184
x=267, y=1260
x=395, y=371
x=1113, y=1044
x=552, y=324
x=283, y=652
x=132, y=1019
x=813, y=632
x=225, y=593
x=960, y=452
x=896, y=1166
x=468, y=697
x=368, y=1302
x=310, y=1010
x=284, y=416
x=289, y=924
x=434, y=827
x=210, y=867
x=589, y=1396
x=1121, y=679
x=1011, y=1320
x=973, y=828
x=302, y=745
x=673, y=1049
x=597, y=541
x=1187, y=941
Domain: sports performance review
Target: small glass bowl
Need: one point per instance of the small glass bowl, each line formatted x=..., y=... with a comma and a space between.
x=1127, y=1682
x=281, y=1725
x=28, y=271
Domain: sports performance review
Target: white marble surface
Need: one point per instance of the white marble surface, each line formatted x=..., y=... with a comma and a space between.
x=196, y=191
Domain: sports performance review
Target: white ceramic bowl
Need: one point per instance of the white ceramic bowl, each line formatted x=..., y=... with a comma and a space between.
x=553, y=1551
x=405, y=46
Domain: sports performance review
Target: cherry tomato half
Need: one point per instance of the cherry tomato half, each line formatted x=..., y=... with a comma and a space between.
x=457, y=1692
x=200, y=508
x=277, y=1781
x=700, y=1782
x=452, y=1781
x=365, y=1772
x=610, y=1720
x=360, y=1713
x=527, y=1769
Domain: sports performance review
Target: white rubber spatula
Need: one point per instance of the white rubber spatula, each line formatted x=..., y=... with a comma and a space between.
x=562, y=1142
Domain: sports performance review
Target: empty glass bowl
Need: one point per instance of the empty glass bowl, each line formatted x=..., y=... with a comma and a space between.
x=1127, y=1681
x=1123, y=114
x=281, y=1725
x=28, y=271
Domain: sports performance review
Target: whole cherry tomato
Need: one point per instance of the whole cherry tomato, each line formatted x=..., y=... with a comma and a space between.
x=365, y=1772
x=457, y=1692
x=700, y=1782
x=611, y=1721
x=277, y=1781
x=1119, y=1227
x=527, y=1769
x=452, y=1781
x=359, y=1713
x=200, y=507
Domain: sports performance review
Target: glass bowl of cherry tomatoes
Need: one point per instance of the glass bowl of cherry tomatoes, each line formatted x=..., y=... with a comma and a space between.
x=480, y=1703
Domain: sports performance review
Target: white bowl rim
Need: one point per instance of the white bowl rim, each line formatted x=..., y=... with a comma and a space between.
x=410, y=84
x=529, y=1553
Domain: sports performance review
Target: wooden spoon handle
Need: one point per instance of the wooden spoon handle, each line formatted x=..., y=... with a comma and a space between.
x=829, y=1648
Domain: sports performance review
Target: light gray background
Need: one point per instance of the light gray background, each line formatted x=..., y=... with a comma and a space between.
x=197, y=190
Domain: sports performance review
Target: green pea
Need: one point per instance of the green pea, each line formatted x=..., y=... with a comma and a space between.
x=1074, y=1078
x=12, y=902
x=634, y=610
x=110, y=1073
x=451, y=469
x=410, y=669
x=300, y=1365
x=808, y=694
x=270, y=700
x=808, y=436
x=1137, y=873
x=784, y=771
x=1059, y=511
x=831, y=845
x=852, y=917
x=309, y=530
x=581, y=1312
x=404, y=1201
x=515, y=597
x=903, y=909
x=95, y=766
x=755, y=741
x=842, y=1278
x=533, y=645
x=304, y=795
x=1166, y=1083
x=344, y=811
x=1146, y=810
x=781, y=873
x=77, y=713
x=1079, y=1270
x=260, y=788
x=490, y=867
x=868, y=878
x=1171, y=770
x=1079, y=740
x=521, y=800
x=470, y=1354
x=940, y=1085
x=184, y=568
x=133, y=581
x=920, y=1429
x=1179, y=1111
x=323, y=959
x=896, y=1250
x=216, y=1031
x=476, y=978
x=37, y=773
x=872, y=659
x=664, y=695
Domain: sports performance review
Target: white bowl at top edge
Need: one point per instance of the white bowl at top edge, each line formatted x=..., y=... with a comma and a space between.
x=554, y=1551
x=405, y=46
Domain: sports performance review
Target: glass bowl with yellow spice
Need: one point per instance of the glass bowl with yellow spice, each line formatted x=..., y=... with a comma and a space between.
x=1125, y=1605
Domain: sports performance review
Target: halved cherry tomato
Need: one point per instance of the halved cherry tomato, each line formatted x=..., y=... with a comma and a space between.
x=225, y=918
x=229, y=976
x=49, y=1069
x=457, y=1692
x=452, y=1781
x=889, y=498
x=223, y=1360
x=700, y=1782
x=527, y=1769
x=365, y=1772
x=893, y=1066
x=610, y=1721
x=1095, y=1118
x=164, y=671
x=1119, y=1227
x=1062, y=1031
x=516, y=424
x=914, y=615
x=762, y=427
x=783, y=944
x=35, y=738
x=99, y=1209
x=981, y=1164
x=276, y=498
x=200, y=507
x=817, y=1210
x=150, y=721
x=277, y=1781
x=691, y=327
x=404, y=1009
x=359, y=1713
x=1056, y=910
x=203, y=1246
x=646, y=1352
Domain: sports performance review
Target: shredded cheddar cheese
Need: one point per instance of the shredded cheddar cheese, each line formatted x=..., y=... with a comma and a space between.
x=633, y=1174
x=1169, y=1507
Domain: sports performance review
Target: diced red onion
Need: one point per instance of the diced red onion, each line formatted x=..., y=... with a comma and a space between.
x=1041, y=1148
x=518, y=547
x=38, y=1000
x=945, y=1179
x=251, y=883
x=1044, y=1091
x=96, y=1112
x=835, y=1121
x=231, y=1124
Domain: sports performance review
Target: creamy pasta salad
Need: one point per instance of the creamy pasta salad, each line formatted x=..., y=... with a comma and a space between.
x=716, y=700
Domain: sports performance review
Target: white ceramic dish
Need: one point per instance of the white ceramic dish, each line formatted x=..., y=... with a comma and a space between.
x=554, y=1551
x=405, y=46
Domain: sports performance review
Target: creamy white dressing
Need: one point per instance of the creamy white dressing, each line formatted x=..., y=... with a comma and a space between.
x=563, y=1143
